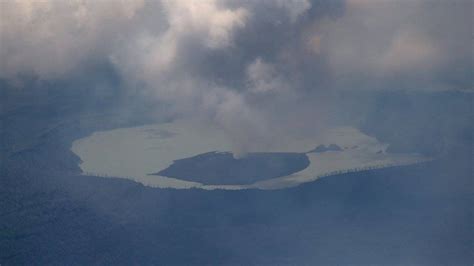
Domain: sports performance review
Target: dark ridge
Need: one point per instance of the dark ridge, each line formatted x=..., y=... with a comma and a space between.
x=323, y=148
x=222, y=168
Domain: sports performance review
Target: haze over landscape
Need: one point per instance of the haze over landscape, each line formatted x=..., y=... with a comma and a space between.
x=236, y=132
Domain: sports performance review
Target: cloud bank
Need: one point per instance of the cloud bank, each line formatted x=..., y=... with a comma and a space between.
x=249, y=66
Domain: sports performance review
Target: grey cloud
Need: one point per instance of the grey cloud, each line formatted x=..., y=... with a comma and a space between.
x=420, y=44
x=249, y=66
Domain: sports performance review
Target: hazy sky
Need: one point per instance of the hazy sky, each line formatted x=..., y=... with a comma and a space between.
x=250, y=66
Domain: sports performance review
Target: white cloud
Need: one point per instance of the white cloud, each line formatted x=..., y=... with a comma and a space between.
x=249, y=65
x=385, y=39
x=53, y=38
x=263, y=77
x=214, y=24
x=294, y=7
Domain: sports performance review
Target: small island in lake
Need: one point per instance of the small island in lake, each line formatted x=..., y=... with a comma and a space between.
x=324, y=148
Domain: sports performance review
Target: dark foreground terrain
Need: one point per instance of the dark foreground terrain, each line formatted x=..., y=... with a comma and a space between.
x=222, y=168
x=412, y=215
